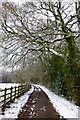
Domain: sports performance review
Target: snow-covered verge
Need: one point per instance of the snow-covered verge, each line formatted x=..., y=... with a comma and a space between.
x=65, y=108
x=8, y=85
x=15, y=107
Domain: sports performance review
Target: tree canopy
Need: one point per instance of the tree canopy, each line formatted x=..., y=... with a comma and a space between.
x=46, y=31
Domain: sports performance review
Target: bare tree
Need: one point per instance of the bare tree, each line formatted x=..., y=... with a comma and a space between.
x=26, y=31
x=19, y=29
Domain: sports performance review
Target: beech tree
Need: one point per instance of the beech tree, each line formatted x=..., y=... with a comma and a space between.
x=65, y=27
x=19, y=31
x=43, y=30
x=25, y=30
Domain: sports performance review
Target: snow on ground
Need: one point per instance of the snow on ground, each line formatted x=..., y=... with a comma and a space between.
x=62, y=106
x=8, y=85
x=3, y=86
x=15, y=107
x=65, y=108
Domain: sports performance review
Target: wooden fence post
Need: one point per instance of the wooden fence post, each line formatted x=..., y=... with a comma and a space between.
x=5, y=91
x=15, y=93
x=11, y=94
x=18, y=90
x=22, y=89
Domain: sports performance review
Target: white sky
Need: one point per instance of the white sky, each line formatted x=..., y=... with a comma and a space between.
x=22, y=1
x=17, y=1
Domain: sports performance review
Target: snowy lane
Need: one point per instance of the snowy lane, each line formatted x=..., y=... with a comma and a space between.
x=65, y=108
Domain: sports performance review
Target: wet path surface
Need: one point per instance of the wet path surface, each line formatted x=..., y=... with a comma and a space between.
x=38, y=106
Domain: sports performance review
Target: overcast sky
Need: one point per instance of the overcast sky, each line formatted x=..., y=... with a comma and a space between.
x=21, y=1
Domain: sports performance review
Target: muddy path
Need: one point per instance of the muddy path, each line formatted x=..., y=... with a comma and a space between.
x=38, y=106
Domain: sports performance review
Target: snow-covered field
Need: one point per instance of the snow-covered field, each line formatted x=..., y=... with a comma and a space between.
x=8, y=85
x=62, y=106
x=3, y=86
